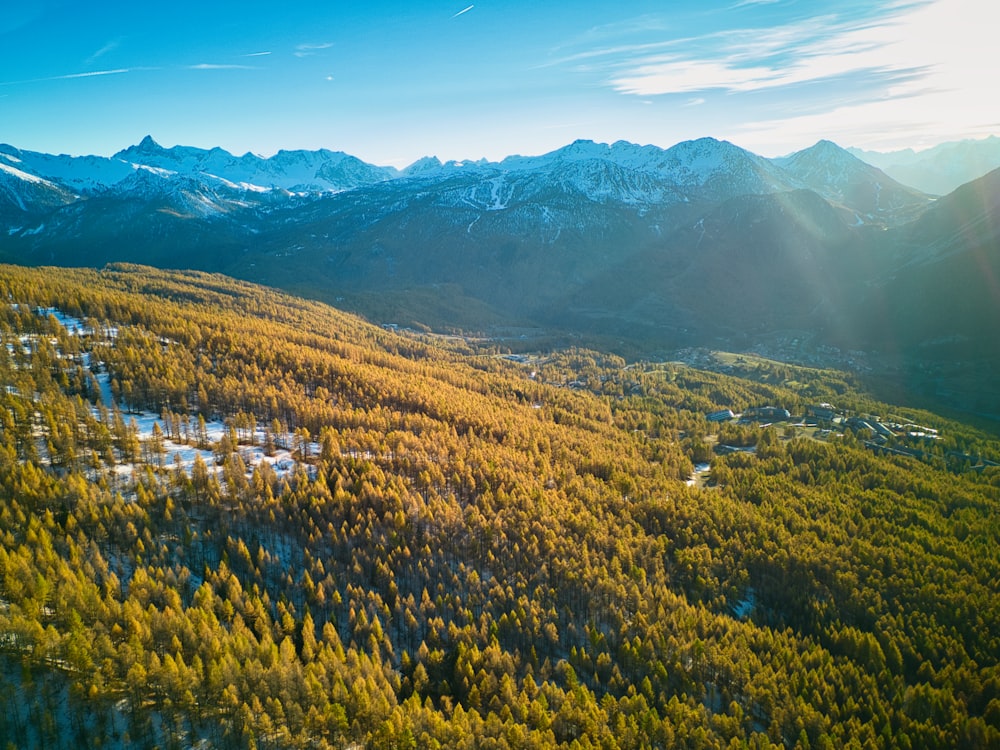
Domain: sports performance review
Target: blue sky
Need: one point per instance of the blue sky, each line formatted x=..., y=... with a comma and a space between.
x=393, y=81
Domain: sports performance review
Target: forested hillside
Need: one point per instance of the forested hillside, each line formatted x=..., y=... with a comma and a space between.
x=334, y=535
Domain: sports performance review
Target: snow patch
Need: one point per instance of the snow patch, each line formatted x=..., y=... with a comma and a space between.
x=743, y=608
x=496, y=186
x=21, y=175
x=700, y=470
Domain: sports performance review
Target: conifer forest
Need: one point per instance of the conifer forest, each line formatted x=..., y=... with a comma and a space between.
x=232, y=518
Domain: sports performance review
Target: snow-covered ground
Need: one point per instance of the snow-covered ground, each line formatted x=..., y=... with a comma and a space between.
x=252, y=455
x=743, y=608
x=700, y=470
x=73, y=326
x=175, y=452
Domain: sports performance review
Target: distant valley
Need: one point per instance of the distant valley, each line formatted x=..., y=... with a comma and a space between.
x=635, y=249
x=940, y=169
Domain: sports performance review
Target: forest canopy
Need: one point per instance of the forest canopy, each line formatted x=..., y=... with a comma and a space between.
x=335, y=534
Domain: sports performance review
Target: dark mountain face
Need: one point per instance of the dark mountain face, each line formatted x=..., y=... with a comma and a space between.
x=931, y=305
x=512, y=242
x=965, y=218
x=942, y=297
x=865, y=193
x=754, y=264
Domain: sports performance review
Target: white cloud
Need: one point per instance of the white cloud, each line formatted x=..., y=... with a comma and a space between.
x=121, y=71
x=745, y=60
x=463, y=11
x=745, y=3
x=215, y=66
x=70, y=76
x=912, y=70
x=109, y=47
x=679, y=76
x=308, y=50
x=943, y=87
x=91, y=74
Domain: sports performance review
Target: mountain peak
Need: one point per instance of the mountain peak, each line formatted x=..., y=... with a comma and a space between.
x=144, y=149
x=582, y=148
x=825, y=143
x=823, y=152
x=148, y=144
x=423, y=164
x=845, y=180
x=829, y=149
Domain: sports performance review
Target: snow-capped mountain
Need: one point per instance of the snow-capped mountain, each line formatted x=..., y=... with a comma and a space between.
x=184, y=195
x=660, y=246
x=590, y=204
x=24, y=193
x=538, y=222
x=870, y=195
x=294, y=171
x=289, y=171
x=623, y=172
x=697, y=244
x=80, y=175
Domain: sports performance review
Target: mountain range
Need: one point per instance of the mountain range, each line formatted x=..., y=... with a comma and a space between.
x=941, y=169
x=649, y=249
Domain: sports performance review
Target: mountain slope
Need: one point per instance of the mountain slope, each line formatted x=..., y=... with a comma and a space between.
x=754, y=265
x=518, y=235
x=509, y=235
x=24, y=195
x=658, y=247
x=233, y=518
x=944, y=290
x=941, y=169
x=931, y=311
x=295, y=171
x=870, y=195
x=705, y=170
x=82, y=175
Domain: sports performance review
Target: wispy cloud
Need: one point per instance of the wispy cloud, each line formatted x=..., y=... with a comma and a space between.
x=308, y=50
x=256, y=54
x=610, y=56
x=916, y=74
x=777, y=71
x=90, y=74
x=463, y=11
x=745, y=60
x=69, y=76
x=217, y=66
x=109, y=47
x=623, y=28
x=611, y=40
x=745, y=3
